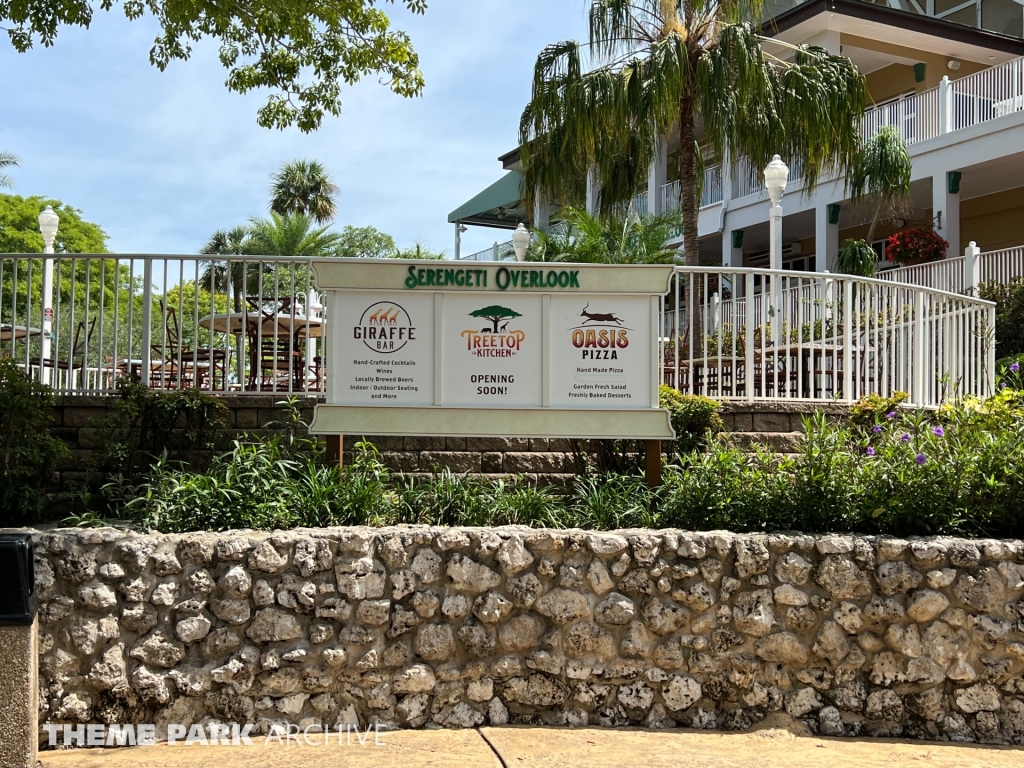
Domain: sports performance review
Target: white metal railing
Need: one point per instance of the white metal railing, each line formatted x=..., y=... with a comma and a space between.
x=955, y=275
x=711, y=193
x=1001, y=266
x=986, y=95
x=821, y=337
x=916, y=117
x=223, y=324
x=943, y=275
x=497, y=252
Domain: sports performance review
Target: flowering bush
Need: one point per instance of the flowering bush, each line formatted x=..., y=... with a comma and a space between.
x=915, y=246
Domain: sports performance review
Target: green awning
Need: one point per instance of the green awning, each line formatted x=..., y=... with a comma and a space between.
x=500, y=205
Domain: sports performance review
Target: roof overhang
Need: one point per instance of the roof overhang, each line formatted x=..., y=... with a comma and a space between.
x=499, y=205
x=902, y=28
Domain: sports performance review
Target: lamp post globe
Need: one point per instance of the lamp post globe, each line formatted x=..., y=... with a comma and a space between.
x=48, y=222
x=776, y=175
x=521, y=241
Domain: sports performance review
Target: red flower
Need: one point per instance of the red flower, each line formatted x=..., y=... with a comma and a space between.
x=915, y=245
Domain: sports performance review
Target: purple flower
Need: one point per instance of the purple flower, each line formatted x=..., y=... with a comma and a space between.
x=938, y=431
x=921, y=458
x=876, y=429
x=1015, y=367
x=905, y=437
x=869, y=451
x=891, y=415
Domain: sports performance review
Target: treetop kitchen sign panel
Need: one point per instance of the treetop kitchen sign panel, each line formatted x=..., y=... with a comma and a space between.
x=511, y=350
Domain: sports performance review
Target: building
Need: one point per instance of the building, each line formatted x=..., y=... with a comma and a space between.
x=948, y=75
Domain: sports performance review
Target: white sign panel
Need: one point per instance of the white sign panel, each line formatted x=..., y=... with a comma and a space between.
x=600, y=351
x=384, y=346
x=491, y=350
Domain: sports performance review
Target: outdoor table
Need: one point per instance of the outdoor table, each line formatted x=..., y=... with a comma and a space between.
x=8, y=332
x=255, y=325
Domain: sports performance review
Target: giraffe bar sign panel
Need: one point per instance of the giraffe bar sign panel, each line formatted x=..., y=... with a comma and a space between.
x=520, y=350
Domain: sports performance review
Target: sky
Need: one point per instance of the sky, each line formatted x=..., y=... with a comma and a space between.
x=161, y=160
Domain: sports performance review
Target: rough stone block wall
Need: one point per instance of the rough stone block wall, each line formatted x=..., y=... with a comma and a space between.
x=415, y=626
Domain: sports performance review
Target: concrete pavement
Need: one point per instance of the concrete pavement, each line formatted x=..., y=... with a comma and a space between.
x=775, y=745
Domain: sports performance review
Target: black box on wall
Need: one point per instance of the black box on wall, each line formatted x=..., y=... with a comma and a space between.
x=17, y=580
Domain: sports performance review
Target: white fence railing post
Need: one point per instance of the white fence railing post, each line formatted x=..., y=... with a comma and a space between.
x=748, y=322
x=917, y=375
x=147, y=319
x=945, y=106
x=847, y=319
x=972, y=269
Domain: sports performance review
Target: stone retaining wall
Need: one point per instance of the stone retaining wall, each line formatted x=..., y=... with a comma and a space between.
x=413, y=626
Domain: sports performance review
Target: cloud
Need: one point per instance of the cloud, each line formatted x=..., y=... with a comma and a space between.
x=161, y=160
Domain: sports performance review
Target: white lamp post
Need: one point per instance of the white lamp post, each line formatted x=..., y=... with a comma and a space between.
x=48, y=221
x=521, y=241
x=776, y=174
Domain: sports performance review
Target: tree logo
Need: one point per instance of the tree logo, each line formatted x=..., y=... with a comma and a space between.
x=497, y=340
x=384, y=327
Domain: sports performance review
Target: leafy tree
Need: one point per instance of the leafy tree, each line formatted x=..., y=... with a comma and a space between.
x=419, y=251
x=881, y=176
x=302, y=51
x=303, y=187
x=7, y=160
x=19, y=227
x=365, y=243
x=606, y=240
x=495, y=314
x=665, y=63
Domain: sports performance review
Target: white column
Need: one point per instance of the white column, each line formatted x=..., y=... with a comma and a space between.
x=458, y=240
x=946, y=213
x=945, y=106
x=828, y=39
x=593, y=191
x=656, y=175
x=732, y=256
x=727, y=174
x=826, y=241
x=541, y=211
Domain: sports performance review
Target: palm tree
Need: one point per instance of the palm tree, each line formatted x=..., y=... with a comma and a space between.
x=584, y=238
x=7, y=160
x=663, y=63
x=292, y=234
x=881, y=174
x=303, y=187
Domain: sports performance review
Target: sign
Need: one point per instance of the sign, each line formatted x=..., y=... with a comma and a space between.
x=514, y=350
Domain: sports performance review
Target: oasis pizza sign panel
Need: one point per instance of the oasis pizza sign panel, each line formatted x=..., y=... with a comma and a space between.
x=600, y=351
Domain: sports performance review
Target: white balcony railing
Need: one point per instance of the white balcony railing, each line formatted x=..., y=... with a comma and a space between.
x=223, y=324
x=956, y=275
x=822, y=338
x=710, y=194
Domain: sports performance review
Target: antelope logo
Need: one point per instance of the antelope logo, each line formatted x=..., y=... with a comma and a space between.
x=608, y=317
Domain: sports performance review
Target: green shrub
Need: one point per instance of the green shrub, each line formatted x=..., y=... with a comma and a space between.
x=27, y=449
x=870, y=409
x=145, y=423
x=694, y=417
x=1009, y=299
x=955, y=471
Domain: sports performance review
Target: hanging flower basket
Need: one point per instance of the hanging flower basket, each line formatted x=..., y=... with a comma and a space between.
x=915, y=246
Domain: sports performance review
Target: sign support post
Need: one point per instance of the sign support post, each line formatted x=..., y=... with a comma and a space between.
x=335, y=450
x=652, y=470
